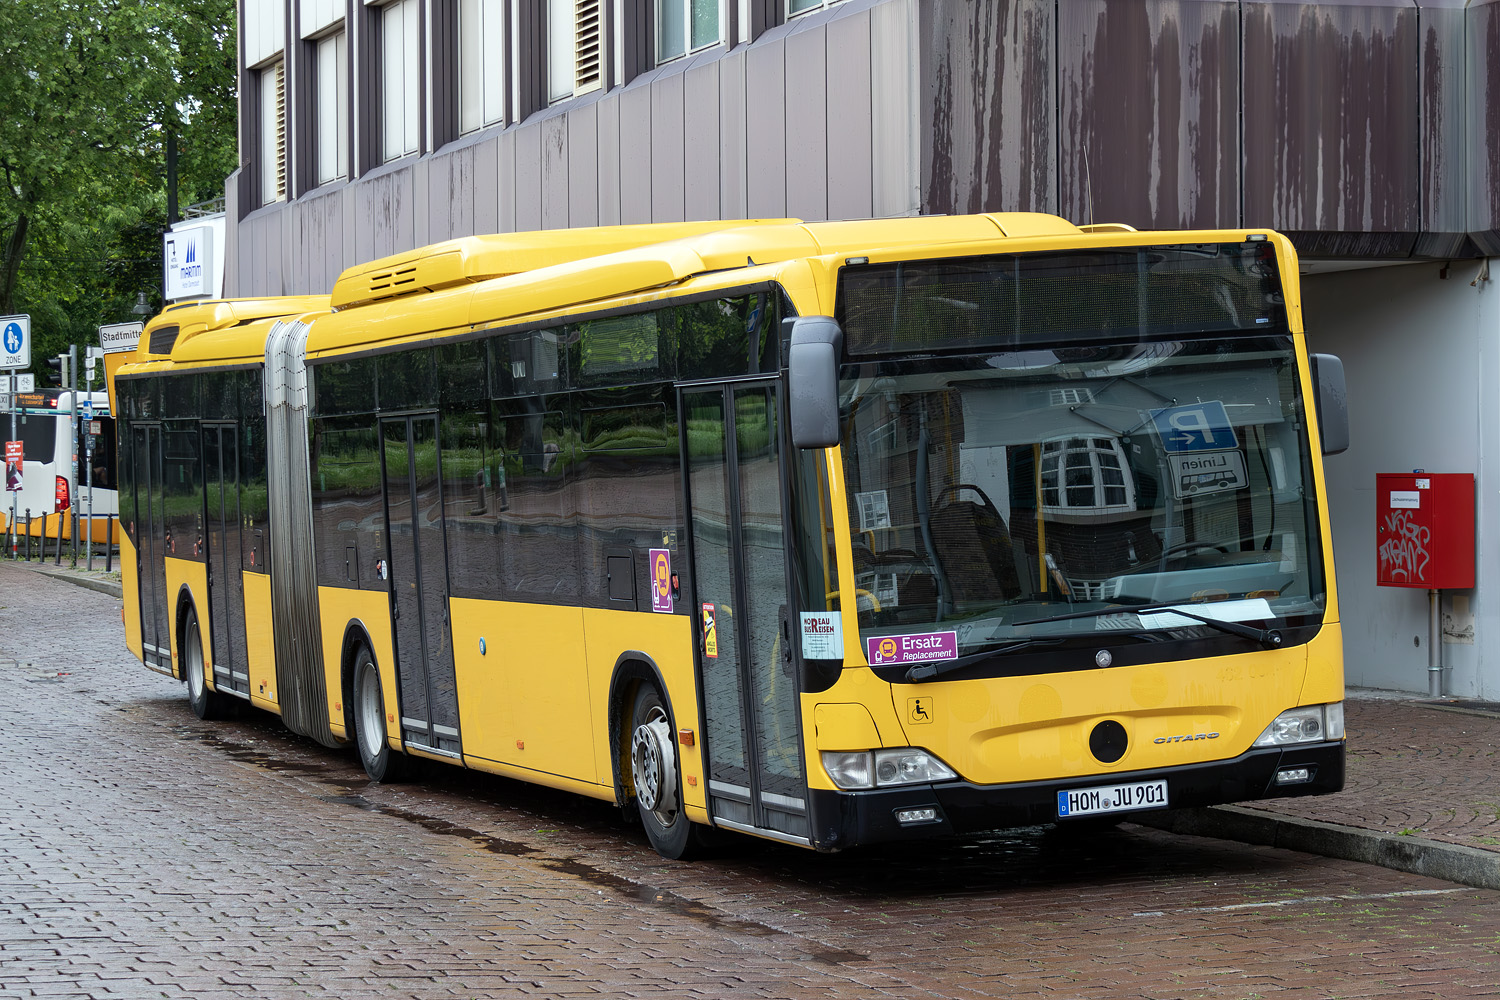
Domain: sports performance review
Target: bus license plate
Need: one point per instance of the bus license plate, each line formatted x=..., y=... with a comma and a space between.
x=1112, y=798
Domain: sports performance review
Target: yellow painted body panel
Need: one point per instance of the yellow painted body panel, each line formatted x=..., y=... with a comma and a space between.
x=844, y=727
x=185, y=573
x=668, y=641
x=130, y=587
x=260, y=650
x=338, y=609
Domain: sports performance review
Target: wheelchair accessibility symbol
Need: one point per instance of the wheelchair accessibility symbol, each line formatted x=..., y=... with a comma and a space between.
x=918, y=711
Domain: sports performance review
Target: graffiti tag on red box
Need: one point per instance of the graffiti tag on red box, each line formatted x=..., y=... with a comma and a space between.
x=919, y=648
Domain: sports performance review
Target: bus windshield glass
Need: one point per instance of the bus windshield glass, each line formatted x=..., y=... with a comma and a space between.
x=992, y=490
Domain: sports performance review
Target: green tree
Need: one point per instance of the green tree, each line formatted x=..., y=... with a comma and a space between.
x=90, y=92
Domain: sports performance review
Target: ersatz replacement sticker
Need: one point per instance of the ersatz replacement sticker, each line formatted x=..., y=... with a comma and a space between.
x=924, y=647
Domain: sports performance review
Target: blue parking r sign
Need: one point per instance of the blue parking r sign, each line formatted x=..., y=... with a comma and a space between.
x=1197, y=427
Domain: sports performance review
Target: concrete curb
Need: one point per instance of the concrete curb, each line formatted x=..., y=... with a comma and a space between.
x=79, y=578
x=1453, y=862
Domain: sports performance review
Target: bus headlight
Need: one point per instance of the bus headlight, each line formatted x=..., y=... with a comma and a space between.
x=1308, y=724
x=883, y=768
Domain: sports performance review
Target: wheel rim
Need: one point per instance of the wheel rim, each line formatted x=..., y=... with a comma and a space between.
x=654, y=766
x=371, y=712
x=194, y=665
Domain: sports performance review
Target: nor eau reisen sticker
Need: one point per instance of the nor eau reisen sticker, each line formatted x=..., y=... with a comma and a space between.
x=923, y=647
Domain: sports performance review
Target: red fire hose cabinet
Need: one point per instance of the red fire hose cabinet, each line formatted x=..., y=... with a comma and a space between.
x=1424, y=530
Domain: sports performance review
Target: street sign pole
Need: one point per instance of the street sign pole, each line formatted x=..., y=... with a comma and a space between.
x=15, y=354
x=73, y=466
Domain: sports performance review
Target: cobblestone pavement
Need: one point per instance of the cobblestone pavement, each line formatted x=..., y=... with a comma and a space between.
x=1415, y=768
x=146, y=854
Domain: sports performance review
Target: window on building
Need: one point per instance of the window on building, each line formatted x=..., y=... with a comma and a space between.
x=272, y=81
x=684, y=26
x=1086, y=474
x=332, y=59
x=561, y=28
x=795, y=7
x=399, y=91
x=482, y=66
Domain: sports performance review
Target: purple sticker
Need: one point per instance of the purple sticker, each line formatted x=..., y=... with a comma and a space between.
x=919, y=648
x=661, y=580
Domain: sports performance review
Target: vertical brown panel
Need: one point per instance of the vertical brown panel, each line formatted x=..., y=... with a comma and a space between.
x=666, y=145
x=424, y=173
x=583, y=165
x=1483, y=93
x=1149, y=113
x=1332, y=137
x=554, y=171
x=850, y=179
x=988, y=117
x=701, y=142
x=1442, y=92
x=635, y=152
x=807, y=122
x=765, y=128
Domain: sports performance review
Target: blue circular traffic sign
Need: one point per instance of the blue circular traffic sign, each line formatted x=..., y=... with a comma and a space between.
x=12, y=338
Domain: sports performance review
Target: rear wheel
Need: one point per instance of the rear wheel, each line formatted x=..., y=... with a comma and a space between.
x=206, y=704
x=375, y=753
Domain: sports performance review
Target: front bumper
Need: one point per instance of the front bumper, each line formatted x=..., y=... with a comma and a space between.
x=842, y=820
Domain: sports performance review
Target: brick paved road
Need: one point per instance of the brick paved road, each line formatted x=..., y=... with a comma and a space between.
x=146, y=854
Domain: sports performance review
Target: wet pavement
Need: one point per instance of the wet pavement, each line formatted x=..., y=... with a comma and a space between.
x=146, y=853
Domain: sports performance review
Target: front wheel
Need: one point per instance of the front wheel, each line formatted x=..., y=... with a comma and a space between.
x=206, y=704
x=375, y=753
x=655, y=771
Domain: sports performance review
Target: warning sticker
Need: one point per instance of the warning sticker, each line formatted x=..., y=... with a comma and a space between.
x=710, y=635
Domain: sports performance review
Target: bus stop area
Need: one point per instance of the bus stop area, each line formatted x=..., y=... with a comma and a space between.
x=1421, y=793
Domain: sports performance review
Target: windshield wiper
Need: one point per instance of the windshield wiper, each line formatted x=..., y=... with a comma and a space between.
x=1269, y=637
x=928, y=671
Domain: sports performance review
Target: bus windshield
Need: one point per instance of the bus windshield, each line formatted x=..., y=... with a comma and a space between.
x=989, y=491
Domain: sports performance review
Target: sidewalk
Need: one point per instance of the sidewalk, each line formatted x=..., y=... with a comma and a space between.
x=1421, y=793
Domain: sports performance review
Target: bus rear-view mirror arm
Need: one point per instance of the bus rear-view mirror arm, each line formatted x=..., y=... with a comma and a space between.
x=1332, y=403
x=813, y=381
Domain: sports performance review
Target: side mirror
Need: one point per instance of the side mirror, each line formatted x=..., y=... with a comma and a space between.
x=1332, y=403
x=813, y=381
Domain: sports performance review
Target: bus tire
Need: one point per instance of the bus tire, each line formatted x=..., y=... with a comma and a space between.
x=656, y=774
x=206, y=704
x=380, y=761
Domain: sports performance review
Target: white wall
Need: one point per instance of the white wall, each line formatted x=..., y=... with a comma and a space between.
x=1422, y=358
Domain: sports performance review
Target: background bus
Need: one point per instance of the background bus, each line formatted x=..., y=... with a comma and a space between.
x=42, y=426
x=829, y=533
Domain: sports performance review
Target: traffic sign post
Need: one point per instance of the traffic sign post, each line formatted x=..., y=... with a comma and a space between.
x=15, y=341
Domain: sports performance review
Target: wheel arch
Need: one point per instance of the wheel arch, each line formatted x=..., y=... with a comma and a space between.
x=632, y=668
x=356, y=634
x=186, y=604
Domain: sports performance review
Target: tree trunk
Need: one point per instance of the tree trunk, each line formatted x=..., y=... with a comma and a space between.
x=10, y=264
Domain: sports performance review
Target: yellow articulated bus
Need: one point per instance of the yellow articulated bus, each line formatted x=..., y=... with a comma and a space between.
x=830, y=533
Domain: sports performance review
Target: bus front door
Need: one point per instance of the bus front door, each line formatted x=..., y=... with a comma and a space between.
x=419, y=584
x=226, y=587
x=752, y=733
x=150, y=540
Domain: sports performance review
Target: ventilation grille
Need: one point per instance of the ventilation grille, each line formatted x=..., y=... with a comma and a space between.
x=587, y=34
x=280, y=130
x=162, y=340
x=384, y=284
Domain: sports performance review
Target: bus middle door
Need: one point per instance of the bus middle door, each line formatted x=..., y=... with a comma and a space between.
x=738, y=538
x=418, y=571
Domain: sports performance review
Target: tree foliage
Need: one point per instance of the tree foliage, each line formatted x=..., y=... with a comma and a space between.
x=90, y=90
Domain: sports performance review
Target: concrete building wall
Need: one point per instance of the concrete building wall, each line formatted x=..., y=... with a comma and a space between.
x=1422, y=358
